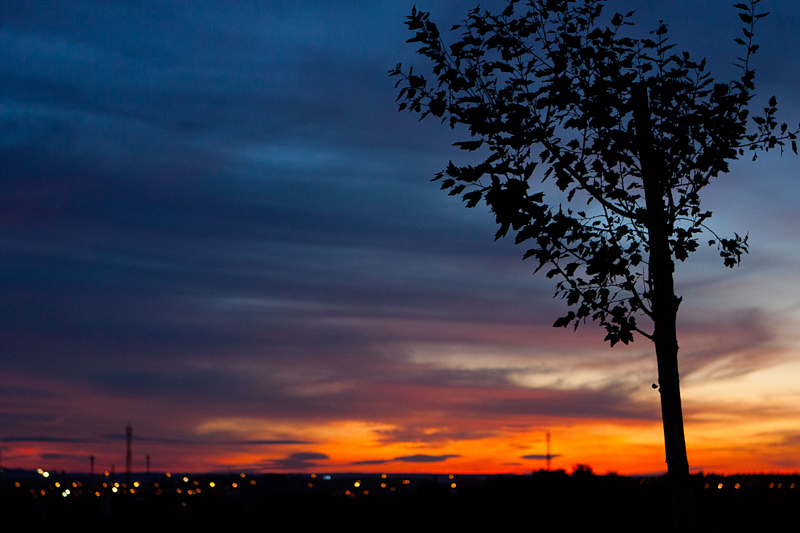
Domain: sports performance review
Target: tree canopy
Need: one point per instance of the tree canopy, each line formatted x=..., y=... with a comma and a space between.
x=555, y=91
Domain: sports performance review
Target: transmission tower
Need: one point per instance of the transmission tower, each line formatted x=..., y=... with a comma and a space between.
x=548, y=451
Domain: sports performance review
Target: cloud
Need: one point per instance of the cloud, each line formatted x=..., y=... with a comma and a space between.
x=206, y=442
x=206, y=224
x=56, y=456
x=734, y=344
x=537, y=457
x=421, y=458
x=429, y=435
x=61, y=440
x=297, y=461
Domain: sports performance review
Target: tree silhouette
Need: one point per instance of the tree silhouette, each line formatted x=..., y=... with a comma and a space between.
x=628, y=130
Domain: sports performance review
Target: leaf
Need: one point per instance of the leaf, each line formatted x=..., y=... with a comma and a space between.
x=469, y=145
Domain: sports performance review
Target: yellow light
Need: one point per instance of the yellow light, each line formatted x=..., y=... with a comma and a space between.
x=136, y=484
x=357, y=484
x=383, y=485
x=212, y=484
x=719, y=486
x=116, y=485
x=406, y=482
x=107, y=474
x=133, y=491
x=452, y=485
x=39, y=470
x=185, y=479
x=235, y=485
x=242, y=474
x=97, y=494
x=114, y=489
x=58, y=484
x=451, y=476
x=189, y=492
x=383, y=476
x=66, y=491
x=313, y=476
x=167, y=474
x=46, y=474
x=75, y=485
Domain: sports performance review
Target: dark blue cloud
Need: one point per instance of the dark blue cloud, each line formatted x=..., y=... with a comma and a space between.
x=297, y=461
x=422, y=458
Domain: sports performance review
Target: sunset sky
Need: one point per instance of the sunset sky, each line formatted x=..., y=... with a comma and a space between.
x=215, y=226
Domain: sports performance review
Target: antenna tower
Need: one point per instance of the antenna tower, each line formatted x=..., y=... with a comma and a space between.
x=128, y=435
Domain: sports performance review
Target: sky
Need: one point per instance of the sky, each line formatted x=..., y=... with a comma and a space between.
x=216, y=227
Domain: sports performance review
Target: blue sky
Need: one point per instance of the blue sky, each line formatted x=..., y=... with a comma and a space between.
x=215, y=225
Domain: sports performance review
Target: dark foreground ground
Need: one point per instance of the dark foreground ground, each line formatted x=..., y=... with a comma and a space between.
x=543, y=501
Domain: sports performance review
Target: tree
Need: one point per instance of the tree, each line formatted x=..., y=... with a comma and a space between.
x=552, y=92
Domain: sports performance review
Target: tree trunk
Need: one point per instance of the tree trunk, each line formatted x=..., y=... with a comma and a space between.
x=665, y=311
